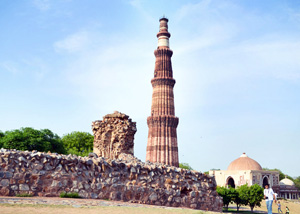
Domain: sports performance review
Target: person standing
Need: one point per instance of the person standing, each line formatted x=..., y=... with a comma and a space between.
x=279, y=207
x=269, y=197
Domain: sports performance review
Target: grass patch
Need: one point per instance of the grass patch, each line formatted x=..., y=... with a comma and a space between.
x=69, y=195
x=24, y=195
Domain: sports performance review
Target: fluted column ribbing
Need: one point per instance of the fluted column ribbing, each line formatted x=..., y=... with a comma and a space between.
x=162, y=136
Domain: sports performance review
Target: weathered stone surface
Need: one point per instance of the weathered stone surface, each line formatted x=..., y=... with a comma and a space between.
x=153, y=197
x=24, y=187
x=4, y=182
x=14, y=187
x=125, y=179
x=162, y=137
x=113, y=135
x=4, y=191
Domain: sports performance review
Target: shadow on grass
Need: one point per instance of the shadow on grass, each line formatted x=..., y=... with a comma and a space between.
x=230, y=210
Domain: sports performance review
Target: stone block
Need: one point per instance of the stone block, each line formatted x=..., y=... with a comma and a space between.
x=24, y=187
x=114, y=135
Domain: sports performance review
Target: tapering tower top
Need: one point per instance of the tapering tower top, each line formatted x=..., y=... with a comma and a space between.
x=163, y=35
x=162, y=136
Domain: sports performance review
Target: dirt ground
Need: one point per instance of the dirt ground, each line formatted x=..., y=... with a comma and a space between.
x=57, y=209
x=117, y=208
x=293, y=205
x=47, y=205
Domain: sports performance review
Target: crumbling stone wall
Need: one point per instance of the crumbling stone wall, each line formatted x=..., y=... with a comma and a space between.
x=129, y=179
x=114, y=135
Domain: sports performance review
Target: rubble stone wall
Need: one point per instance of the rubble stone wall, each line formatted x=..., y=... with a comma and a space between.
x=125, y=179
x=114, y=135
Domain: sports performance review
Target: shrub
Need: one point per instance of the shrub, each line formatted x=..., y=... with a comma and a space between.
x=24, y=195
x=185, y=166
x=69, y=195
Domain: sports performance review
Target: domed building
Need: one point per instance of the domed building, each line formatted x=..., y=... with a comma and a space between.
x=287, y=189
x=245, y=170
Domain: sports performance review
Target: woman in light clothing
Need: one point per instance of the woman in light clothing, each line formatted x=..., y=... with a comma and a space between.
x=269, y=196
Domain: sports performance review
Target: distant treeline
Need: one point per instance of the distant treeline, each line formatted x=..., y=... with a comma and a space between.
x=44, y=140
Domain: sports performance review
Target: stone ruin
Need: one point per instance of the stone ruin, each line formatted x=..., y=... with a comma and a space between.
x=113, y=173
x=124, y=179
x=114, y=135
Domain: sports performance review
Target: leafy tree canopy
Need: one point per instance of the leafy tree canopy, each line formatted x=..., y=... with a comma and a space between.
x=252, y=195
x=78, y=143
x=31, y=139
x=185, y=166
x=1, y=136
x=243, y=195
x=256, y=193
x=297, y=182
x=241, y=198
x=227, y=194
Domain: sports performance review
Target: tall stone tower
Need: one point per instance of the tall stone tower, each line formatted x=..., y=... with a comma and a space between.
x=162, y=137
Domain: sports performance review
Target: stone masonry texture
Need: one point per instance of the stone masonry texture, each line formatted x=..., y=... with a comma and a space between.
x=162, y=137
x=124, y=179
x=114, y=135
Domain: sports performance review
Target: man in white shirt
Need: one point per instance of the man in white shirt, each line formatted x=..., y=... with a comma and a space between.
x=269, y=196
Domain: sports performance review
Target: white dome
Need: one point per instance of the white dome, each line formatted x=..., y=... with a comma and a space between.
x=286, y=182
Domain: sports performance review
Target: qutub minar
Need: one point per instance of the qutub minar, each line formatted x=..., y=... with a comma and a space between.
x=162, y=137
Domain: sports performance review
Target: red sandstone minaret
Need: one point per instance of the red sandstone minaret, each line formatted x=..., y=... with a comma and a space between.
x=162, y=137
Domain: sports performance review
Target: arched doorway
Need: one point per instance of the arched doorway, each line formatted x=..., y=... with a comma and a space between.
x=230, y=182
x=265, y=182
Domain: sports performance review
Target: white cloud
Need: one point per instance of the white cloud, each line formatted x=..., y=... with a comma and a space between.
x=73, y=43
x=35, y=67
x=42, y=5
x=208, y=38
x=9, y=66
x=31, y=66
x=279, y=59
x=189, y=9
x=114, y=75
x=219, y=47
x=142, y=10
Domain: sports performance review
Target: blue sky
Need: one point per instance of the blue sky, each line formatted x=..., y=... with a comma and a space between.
x=64, y=64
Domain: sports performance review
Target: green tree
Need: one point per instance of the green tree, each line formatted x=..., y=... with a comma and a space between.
x=185, y=166
x=256, y=195
x=252, y=195
x=78, y=143
x=239, y=198
x=244, y=194
x=1, y=136
x=56, y=144
x=227, y=194
x=31, y=139
x=297, y=182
